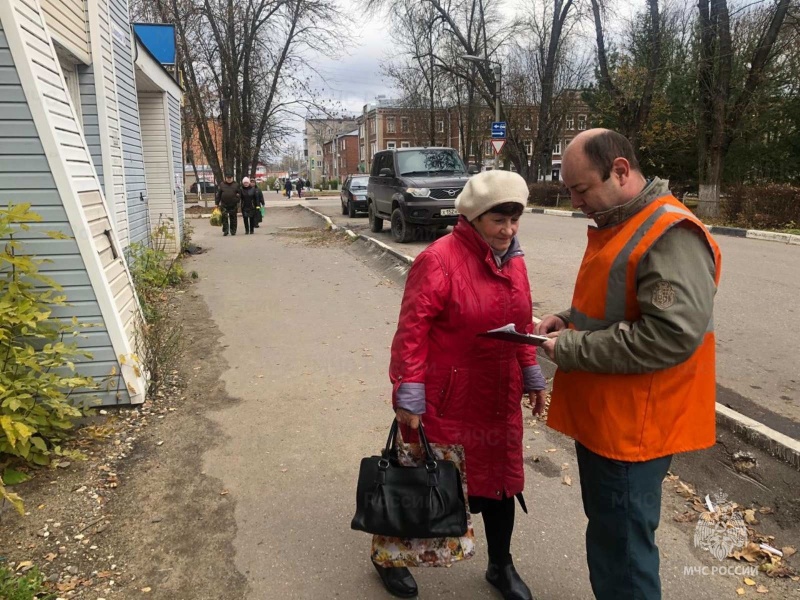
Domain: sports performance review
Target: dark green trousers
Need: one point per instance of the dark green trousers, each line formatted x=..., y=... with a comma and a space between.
x=622, y=501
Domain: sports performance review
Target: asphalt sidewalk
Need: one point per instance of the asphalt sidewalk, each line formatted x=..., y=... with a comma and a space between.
x=306, y=321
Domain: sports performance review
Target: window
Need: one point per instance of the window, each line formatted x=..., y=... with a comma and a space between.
x=361, y=152
x=429, y=161
x=529, y=147
x=374, y=126
x=487, y=148
x=319, y=151
x=405, y=144
x=391, y=145
x=570, y=123
x=361, y=131
x=372, y=150
x=557, y=147
x=440, y=126
x=581, y=122
x=404, y=124
x=344, y=144
x=389, y=124
x=528, y=125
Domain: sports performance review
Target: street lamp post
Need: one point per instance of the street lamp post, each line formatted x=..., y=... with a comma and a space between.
x=497, y=70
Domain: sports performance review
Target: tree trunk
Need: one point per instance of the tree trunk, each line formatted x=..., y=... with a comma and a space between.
x=710, y=181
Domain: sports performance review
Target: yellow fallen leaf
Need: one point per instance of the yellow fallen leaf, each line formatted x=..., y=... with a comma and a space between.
x=761, y=590
x=750, y=516
x=740, y=591
x=788, y=551
x=566, y=480
x=749, y=581
x=24, y=563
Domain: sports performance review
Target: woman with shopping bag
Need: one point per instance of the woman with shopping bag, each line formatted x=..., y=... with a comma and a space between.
x=467, y=390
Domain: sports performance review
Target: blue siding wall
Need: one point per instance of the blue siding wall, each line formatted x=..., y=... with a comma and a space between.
x=177, y=159
x=25, y=177
x=129, y=121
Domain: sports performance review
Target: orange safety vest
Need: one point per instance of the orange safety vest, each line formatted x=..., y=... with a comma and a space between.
x=634, y=417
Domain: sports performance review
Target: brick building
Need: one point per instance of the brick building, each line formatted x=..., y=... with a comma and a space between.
x=340, y=156
x=387, y=124
x=317, y=133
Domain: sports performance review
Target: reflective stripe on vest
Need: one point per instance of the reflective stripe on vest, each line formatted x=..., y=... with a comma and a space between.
x=634, y=417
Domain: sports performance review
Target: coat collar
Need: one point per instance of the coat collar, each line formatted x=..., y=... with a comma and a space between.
x=469, y=236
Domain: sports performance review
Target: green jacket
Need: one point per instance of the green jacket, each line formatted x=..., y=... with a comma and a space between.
x=662, y=337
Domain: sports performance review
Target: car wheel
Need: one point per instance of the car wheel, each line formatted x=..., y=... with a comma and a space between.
x=402, y=232
x=375, y=222
x=344, y=208
x=351, y=209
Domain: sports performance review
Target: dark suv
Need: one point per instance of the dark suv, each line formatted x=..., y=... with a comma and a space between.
x=415, y=189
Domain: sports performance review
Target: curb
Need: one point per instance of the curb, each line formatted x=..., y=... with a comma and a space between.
x=751, y=234
x=759, y=435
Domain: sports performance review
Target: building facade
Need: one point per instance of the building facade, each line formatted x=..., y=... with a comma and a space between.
x=90, y=137
x=317, y=133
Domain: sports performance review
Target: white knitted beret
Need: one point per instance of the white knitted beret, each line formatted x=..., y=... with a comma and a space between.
x=488, y=189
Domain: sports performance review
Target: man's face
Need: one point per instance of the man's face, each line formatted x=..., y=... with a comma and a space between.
x=588, y=192
x=229, y=180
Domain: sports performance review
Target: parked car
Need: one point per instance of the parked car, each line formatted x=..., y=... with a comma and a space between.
x=206, y=187
x=354, y=195
x=414, y=189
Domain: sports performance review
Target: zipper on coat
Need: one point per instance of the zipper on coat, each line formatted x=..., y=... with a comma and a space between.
x=447, y=392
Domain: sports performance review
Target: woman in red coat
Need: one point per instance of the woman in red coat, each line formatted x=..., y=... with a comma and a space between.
x=467, y=389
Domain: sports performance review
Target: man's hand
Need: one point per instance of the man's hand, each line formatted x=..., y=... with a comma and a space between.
x=549, y=324
x=549, y=346
x=407, y=418
x=538, y=399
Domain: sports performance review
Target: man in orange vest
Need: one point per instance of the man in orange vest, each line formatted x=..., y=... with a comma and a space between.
x=635, y=355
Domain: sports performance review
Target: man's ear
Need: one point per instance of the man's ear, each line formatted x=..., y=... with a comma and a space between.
x=622, y=169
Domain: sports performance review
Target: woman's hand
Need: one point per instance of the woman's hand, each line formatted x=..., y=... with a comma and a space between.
x=407, y=418
x=538, y=399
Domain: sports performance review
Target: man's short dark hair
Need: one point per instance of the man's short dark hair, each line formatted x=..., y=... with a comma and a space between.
x=507, y=209
x=604, y=148
x=228, y=175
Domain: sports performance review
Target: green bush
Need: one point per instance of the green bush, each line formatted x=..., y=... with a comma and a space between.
x=38, y=373
x=767, y=206
x=158, y=332
x=547, y=193
x=29, y=586
x=334, y=184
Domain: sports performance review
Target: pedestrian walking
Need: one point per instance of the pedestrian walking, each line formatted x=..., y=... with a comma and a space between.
x=250, y=204
x=300, y=185
x=277, y=185
x=468, y=389
x=288, y=187
x=260, y=204
x=635, y=355
x=227, y=199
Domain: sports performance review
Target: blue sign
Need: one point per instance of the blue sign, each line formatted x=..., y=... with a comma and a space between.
x=159, y=39
x=499, y=129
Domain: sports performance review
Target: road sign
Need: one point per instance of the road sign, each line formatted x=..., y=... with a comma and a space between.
x=498, y=145
x=499, y=129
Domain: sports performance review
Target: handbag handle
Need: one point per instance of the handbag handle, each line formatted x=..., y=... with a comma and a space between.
x=430, y=458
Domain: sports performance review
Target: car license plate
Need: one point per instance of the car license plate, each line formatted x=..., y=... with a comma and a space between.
x=448, y=212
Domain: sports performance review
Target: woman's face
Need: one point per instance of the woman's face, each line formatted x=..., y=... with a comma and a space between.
x=498, y=230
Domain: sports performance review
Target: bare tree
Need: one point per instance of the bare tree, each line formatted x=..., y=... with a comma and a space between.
x=633, y=109
x=723, y=104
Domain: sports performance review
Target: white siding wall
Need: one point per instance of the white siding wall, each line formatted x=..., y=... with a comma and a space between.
x=66, y=19
x=158, y=162
x=75, y=187
x=105, y=89
x=177, y=160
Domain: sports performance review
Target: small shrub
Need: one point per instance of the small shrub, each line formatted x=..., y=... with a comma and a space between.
x=38, y=374
x=186, y=238
x=547, y=193
x=29, y=586
x=158, y=332
x=334, y=184
x=767, y=206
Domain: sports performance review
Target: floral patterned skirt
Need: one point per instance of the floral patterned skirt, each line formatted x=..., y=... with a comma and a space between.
x=426, y=552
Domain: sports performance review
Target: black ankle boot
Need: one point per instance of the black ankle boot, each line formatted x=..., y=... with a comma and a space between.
x=398, y=581
x=506, y=579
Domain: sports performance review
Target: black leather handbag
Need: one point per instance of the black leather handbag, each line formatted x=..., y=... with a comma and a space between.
x=426, y=501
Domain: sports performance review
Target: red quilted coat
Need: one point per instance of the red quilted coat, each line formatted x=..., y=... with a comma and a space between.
x=472, y=386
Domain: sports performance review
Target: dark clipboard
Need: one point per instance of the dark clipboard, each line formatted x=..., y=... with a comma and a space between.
x=509, y=333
